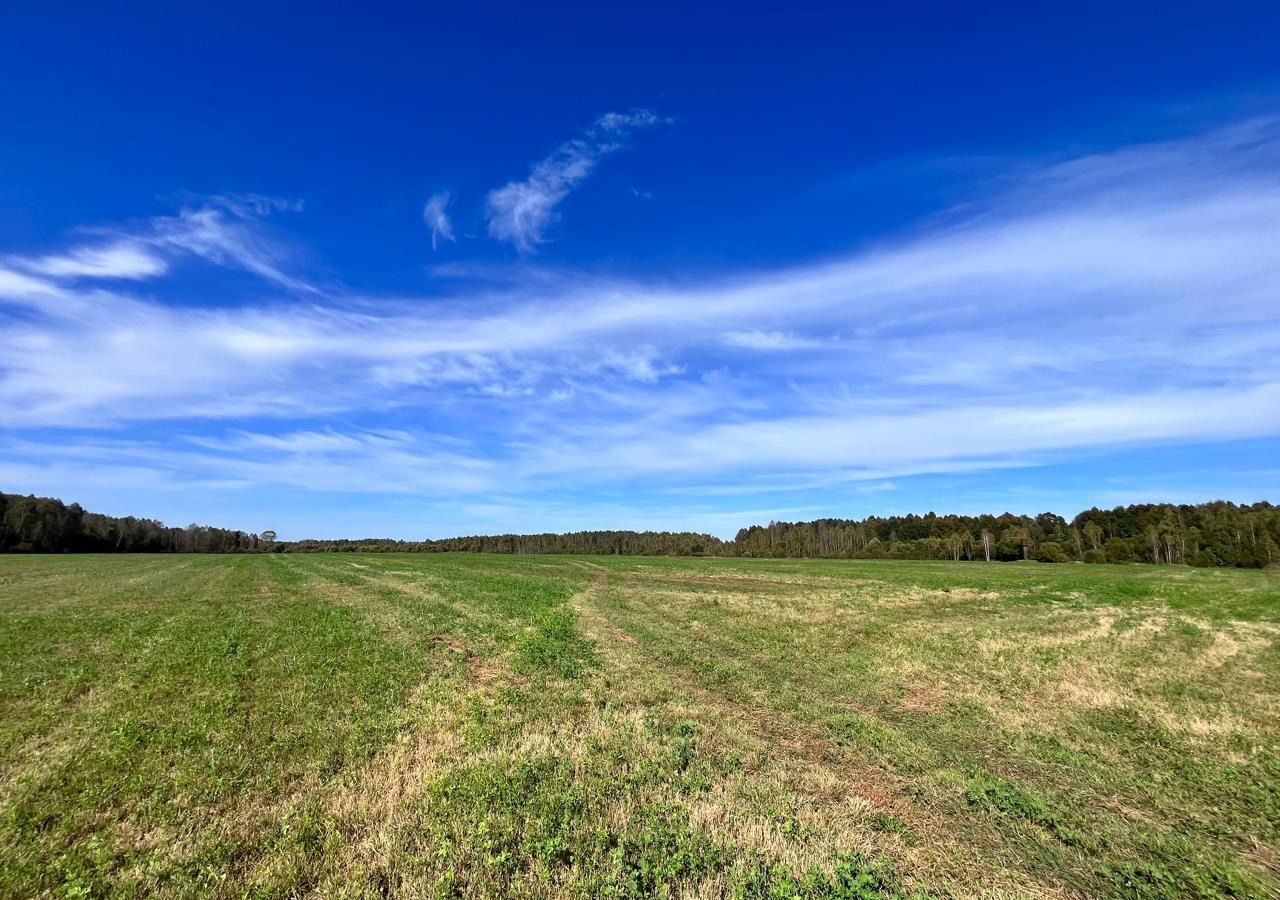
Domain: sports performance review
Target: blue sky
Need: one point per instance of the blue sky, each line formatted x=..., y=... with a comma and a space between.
x=424, y=271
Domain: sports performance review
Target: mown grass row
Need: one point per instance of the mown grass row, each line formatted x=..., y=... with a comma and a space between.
x=1119, y=761
x=198, y=726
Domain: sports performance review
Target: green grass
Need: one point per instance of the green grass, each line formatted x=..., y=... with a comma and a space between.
x=467, y=726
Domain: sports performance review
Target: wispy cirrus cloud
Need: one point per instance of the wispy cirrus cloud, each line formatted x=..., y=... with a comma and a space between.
x=224, y=231
x=768, y=340
x=1119, y=299
x=128, y=259
x=521, y=212
x=19, y=286
x=435, y=214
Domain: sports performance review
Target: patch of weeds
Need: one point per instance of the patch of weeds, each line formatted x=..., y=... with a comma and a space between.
x=656, y=849
x=1144, y=881
x=85, y=869
x=677, y=761
x=853, y=877
x=499, y=823
x=1130, y=728
x=888, y=823
x=987, y=791
x=1182, y=690
x=782, y=808
x=861, y=731
x=1052, y=749
x=555, y=646
x=683, y=744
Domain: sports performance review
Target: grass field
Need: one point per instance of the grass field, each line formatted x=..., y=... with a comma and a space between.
x=619, y=727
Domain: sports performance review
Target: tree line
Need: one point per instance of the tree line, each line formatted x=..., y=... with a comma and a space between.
x=623, y=543
x=44, y=525
x=1205, y=534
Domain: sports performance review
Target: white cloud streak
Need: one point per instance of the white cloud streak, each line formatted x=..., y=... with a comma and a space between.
x=17, y=286
x=435, y=214
x=521, y=212
x=128, y=259
x=225, y=232
x=768, y=340
x=1130, y=299
x=222, y=230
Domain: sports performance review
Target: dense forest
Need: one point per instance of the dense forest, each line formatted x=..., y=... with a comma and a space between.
x=1205, y=534
x=44, y=525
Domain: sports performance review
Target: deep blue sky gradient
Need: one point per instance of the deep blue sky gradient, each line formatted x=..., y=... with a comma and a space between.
x=789, y=137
